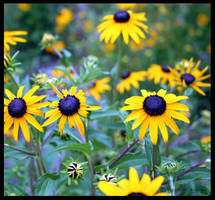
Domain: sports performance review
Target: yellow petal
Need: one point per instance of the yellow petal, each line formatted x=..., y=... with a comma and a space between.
x=154, y=186
x=171, y=123
x=34, y=111
x=6, y=102
x=62, y=123
x=145, y=180
x=198, y=89
x=177, y=106
x=144, y=127
x=19, y=92
x=52, y=119
x=135, y=114
x=79, y=123
x=178, y=116
x=161, y=92
x=93, y=108
x=73, y=90
x=163, y=130
x=25, y=129
x=153, y=130
x=134, y=180
x=110, y=189
x=9, y=94
x=8, y=124
x=57, y=91
x=124, y=184
x=16, y=129
x=30, y=92
x=33, y=121
x=139, y=120
x=71, y=123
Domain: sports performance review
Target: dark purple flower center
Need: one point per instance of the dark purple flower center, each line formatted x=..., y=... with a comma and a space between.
x=69, y=105
x=188, y=78
x=123, y=133
x=93, y=84
x=125, y=75
x=154, y=105
x=165, y=68
x=136, y=194
x=17, y=107
x=121, y=16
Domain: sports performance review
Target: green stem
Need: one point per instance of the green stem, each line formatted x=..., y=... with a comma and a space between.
x=154, y=160
x=12, y=78
x=90, y=165
x=40, y=159
x=56, y=51
x=172, y=186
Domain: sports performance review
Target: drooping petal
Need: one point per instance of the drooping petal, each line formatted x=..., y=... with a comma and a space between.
x=25, y=129
x=33, y=121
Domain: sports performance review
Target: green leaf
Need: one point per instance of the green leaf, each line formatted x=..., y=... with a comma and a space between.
x=17, y=189
x=100, y=114
x=84, y=148
x=46, y=184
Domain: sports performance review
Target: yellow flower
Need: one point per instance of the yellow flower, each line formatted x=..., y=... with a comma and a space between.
x=136, y=46
x=57, y=73
x=125, y=22
x=209, y=48
x=191, y=76
x=125, y=6
x=88, y=26
x=206, y=139
x=24, y=6
x=63, y=19
x=98, y=87
x=19, y=109
x=155, y=110
x=130, y=78
x=202, y=19
x=58, y=45
x=161, y=73
x=133, y=186
x=10, y=37
x=70, y=106
x=159, y=26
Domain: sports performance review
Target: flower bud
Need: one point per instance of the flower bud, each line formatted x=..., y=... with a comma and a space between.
x=48, y=39
x=170, y=167
x=7, y=59
x=109, y=178
x=41, y=79
x=75, y=170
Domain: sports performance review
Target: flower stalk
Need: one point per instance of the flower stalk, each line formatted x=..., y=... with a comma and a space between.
x=12, y=78
x=154, y=160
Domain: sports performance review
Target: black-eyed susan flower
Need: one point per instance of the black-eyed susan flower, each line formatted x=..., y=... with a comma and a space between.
x=161, y=73
x=129, y=79
x=202, y=19
x=125, y=22
x=191, y=76
x=133, y=186
x=71, y=106
x=10, y=37
x=155, y=110
x=20, y=109
x=99, y=87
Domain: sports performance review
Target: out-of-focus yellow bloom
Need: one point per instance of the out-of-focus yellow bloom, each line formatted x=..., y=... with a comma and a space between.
x=148, y=52
x=153, y=34
x=63, y=19
x=109, y=47
x=202, y=19
x=159, y=26
x=191, y=32
x=6, y=78
x=24, y=6
x=57, y=73
x=188, y=47
x=136, y=46
x=10, y=37
x=125, y=6
x=58, y=45
x=88, y=26
x=82, y=14
x=162, y=8
x=209, y=48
